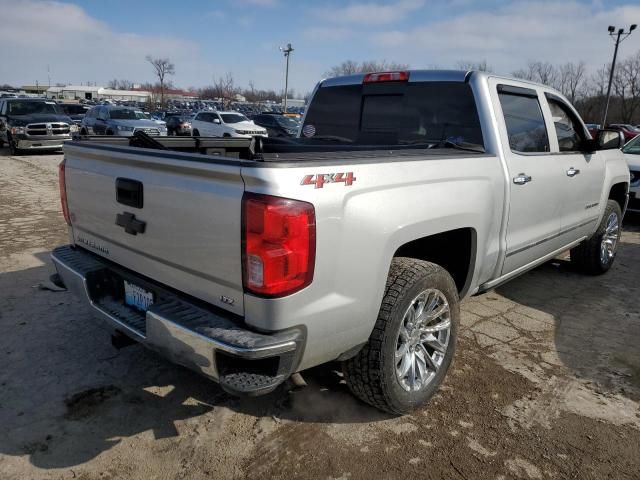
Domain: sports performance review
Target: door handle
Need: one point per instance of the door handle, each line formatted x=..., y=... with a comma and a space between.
x=521, y=179
x=572, y=172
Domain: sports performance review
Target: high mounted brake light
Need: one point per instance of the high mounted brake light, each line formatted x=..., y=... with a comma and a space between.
x=63, y=192
x=278, y=244
x=386, y=77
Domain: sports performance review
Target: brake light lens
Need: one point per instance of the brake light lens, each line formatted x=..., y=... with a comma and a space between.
x=63, y=192
x=386, y=77
x=279, y=244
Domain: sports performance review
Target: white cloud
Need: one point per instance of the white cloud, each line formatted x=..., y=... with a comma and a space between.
x=258, y=3
x=553, y=31
x=370, y=13
x=327, y=34
x=79, y=48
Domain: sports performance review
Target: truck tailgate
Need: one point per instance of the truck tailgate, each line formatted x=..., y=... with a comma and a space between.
x=190, y=206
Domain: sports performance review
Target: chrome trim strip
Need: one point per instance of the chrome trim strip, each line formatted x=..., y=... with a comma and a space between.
x=556, y=235
x=525, y=268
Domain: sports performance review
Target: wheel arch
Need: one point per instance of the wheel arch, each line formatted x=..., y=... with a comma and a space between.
x=619, y=192
x=454, y=250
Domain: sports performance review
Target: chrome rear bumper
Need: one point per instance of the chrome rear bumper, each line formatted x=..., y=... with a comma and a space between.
x=204, y=339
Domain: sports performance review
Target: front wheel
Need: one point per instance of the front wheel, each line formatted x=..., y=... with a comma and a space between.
x=413, y=342
x=196, y=133
x=13, y=147
x=595, y=255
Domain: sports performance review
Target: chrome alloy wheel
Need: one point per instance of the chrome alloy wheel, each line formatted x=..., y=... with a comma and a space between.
x=423, y=339
x=610, y=239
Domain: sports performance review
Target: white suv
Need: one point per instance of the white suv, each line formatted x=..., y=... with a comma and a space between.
x=225, y=124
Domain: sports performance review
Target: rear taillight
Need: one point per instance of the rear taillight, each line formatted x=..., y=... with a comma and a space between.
x=63, y=192
x=279, y=244
x=386, y=77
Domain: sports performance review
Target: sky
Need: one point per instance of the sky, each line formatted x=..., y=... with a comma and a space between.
x=77, y=42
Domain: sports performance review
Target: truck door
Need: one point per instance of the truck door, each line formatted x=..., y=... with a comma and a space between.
x=536, y=177
x=583, y=172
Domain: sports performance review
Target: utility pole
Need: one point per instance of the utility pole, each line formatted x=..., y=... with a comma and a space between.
x=620, y=36
x=287, y=51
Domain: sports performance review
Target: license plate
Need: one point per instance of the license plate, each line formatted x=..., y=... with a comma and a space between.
x=137, y=297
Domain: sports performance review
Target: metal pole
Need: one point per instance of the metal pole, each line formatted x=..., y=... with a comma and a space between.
x=286, y=83
x=613, y=66
x=287, y=51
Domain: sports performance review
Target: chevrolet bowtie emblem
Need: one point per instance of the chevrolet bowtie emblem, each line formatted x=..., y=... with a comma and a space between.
x=130, y=223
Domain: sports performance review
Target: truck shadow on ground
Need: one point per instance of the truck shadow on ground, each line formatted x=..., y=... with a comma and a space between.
x=66, y=394
x=596, y=318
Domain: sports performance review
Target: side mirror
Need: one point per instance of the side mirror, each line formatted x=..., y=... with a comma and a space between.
x=609, y=139
x=216, y=120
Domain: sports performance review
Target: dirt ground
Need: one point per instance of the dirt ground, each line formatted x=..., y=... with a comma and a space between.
x=546, y=383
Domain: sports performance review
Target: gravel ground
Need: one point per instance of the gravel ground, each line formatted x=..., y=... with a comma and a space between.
x=546, y=383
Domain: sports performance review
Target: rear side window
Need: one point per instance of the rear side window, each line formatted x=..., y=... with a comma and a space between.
x=566, y=125
x=525, y=124
x=395, y=113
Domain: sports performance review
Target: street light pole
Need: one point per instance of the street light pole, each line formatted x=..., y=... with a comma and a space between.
x=287, y=51
x=621, y=35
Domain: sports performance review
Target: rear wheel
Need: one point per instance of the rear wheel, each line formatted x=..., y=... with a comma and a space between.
x=413, y=342
x=595, y=255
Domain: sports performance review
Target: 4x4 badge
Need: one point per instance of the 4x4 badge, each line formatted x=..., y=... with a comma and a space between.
x=321, y=178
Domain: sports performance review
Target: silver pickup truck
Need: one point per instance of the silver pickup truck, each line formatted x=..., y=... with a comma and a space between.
x=403, y=193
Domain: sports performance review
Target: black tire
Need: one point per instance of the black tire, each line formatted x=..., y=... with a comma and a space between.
x=371, y=374
x=587, y=257
x=13, y=149
x=226, y=135
x=83, y=132
x=109, y=132
x=196, y=133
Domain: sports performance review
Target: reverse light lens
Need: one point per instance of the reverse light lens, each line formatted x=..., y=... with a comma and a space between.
x=279, y=244
x=63, y=192
x=386, y=77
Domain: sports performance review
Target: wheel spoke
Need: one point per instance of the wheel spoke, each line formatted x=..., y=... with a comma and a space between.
x=445, y=324
x=422, y=352
x=438, y=312
x=400, y=352
x=412, y=371
x=434, y=343
x=406, y=364
x=420, y=303
x=422, y=367
x=404, y=334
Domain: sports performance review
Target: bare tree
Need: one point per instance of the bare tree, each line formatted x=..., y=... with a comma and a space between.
x=626, y=86
x=571, y=79
x=116, y=84
x=349, y=67
x=162, y=67
x=480, y=66
x=542, y=72
x=225, y=88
